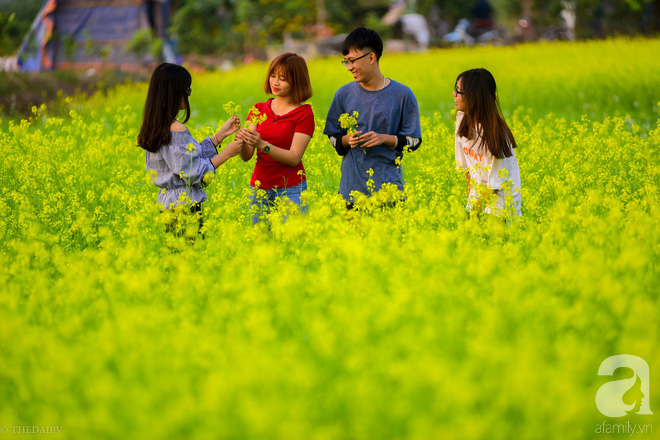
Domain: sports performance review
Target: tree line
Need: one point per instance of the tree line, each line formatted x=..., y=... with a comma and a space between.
x=243, y=26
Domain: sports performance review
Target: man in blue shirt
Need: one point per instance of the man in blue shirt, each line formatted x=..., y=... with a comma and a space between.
x=388, y=119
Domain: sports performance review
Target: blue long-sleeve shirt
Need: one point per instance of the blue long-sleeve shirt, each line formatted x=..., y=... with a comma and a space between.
x=180, y=167
x=392, y=110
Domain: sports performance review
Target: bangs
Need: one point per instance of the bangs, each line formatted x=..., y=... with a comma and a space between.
x=280, y=67
x=281, y=71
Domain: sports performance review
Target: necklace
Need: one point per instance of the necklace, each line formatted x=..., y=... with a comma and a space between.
x=378, y=89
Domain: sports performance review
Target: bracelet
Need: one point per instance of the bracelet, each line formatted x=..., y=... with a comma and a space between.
x=396, y=141
x=216, y=140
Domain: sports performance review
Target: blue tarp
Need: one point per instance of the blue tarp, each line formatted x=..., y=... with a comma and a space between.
x=88, y=32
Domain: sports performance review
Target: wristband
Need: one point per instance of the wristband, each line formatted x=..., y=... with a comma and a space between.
x=216, y=140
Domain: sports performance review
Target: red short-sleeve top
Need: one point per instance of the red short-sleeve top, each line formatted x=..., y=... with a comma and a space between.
x=278, y=130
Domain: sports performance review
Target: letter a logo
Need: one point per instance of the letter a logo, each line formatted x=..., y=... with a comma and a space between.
x=609, y=398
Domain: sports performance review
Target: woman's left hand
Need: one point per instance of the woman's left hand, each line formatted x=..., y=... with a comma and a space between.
x=251, y=137
x=229, y=127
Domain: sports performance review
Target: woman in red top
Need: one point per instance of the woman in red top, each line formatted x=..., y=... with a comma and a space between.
x=282, y=138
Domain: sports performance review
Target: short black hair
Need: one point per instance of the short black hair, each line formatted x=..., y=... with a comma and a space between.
x=363, y=37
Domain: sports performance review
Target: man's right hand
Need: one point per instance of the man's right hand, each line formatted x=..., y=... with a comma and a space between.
x=353, y=139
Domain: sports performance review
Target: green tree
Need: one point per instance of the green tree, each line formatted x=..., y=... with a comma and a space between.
x=16, y=17
x=616, y=16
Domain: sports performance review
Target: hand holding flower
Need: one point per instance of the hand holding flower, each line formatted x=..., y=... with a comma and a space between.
x=251, y=137
x=229, y=127
x=354, y=139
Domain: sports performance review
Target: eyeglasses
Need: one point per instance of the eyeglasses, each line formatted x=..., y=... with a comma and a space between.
x=189, y=91
x=347, y=63
x=457, y=92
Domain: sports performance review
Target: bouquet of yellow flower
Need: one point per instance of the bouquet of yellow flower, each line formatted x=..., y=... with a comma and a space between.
x=349, y=123
x=255, y=117
x=231, y=108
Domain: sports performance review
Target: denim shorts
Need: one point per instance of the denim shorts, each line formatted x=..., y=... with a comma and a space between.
x=264, y=202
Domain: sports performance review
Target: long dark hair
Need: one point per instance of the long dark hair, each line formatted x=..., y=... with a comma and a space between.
x=483, y=109
x=170, y=83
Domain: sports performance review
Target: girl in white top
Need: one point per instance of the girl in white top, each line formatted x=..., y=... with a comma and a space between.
x=484, y=146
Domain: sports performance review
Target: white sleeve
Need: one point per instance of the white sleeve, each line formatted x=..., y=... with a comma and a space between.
x=461, y=161
x=499, y=172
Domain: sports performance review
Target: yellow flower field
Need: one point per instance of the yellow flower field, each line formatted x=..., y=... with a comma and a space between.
x=416, y=322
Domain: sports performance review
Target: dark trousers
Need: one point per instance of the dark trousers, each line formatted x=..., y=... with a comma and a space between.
x=181, y=220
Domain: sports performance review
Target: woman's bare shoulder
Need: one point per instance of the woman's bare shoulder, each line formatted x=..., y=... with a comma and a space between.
x=177, y=126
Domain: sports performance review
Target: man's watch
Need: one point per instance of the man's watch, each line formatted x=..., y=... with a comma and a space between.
x=267, y=148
